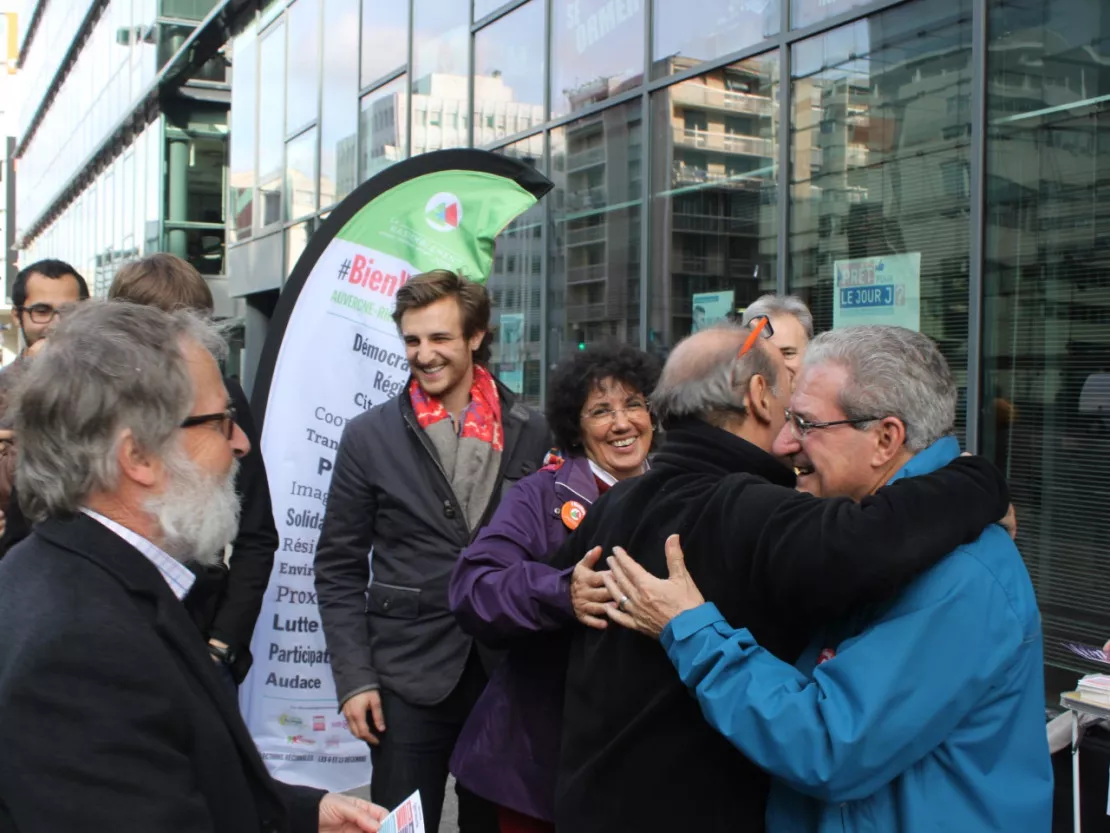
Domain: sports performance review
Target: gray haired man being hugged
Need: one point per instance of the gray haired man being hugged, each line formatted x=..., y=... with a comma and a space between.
x=114, y=716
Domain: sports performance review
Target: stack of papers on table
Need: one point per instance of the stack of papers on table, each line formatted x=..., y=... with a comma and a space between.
x=1095, y=688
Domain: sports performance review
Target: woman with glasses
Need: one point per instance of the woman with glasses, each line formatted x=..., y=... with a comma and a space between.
x=504, y=593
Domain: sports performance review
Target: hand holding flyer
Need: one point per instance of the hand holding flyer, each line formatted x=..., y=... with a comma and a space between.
x=407, y=818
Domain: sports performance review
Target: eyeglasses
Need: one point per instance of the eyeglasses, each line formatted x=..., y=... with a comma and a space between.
x=760, y=325
x=600, y=415
x=800, y=427
x=225, y=418
x=40, y=313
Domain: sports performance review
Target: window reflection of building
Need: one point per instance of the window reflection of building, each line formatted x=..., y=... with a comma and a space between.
x=715, y=148
x=1047, y=301
x=881, y=129
x=599, y=174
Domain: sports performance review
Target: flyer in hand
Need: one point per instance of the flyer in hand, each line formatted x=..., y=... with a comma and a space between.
x=407, y=818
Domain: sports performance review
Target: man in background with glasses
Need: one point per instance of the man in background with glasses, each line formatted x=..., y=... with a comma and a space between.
x=921, y=713
x=636, y=751
x=792, y=323
x=39, y=292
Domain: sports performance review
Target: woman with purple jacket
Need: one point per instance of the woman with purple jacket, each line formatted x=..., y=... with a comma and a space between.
x=505, y=594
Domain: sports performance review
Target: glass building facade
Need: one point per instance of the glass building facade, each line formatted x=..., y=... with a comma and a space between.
x=707, y=153
x=702, y=154
x=122, y=138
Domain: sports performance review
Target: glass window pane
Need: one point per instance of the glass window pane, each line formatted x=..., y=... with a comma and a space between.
x=515, y=285
x=296, y=240
x=440, y=86
x=594, y=249
x=382, y=128
x=715, y=210
x=807, y=12
x=508, y=75
x=682, y=39
x=300, y=176
x=439, y=41
x=880, y=181
x=1046, y=390
x=303, y=66
x=385, y=38
x=244, y=98
x=339, y=111
x=271, y=124
x=597, y=51
x=485, y=7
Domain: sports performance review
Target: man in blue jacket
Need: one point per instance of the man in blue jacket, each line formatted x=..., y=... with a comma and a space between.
x=924, y=713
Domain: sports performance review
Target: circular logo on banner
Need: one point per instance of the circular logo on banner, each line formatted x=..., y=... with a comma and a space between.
x=572, y=513
x=444, y=212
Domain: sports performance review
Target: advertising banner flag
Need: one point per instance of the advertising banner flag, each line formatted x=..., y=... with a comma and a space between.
x=332, y=352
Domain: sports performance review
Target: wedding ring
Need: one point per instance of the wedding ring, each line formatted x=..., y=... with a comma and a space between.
x=622, y=602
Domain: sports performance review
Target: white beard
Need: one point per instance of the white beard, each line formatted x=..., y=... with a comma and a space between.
x=198, y=513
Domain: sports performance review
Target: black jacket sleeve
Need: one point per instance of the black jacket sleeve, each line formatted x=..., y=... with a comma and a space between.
x=343, y=566
x=87, y=689
x=820, y=558
x=303, y=804
x=252, y=551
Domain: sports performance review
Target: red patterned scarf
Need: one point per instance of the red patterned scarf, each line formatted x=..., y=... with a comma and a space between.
x=481, y=419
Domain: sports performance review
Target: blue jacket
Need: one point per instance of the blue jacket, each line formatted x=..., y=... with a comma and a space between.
x=929, y=715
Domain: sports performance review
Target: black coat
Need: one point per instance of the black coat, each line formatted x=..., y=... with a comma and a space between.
x=388, y=493
x=636, y=749
x=114, y=717
x=226, y=599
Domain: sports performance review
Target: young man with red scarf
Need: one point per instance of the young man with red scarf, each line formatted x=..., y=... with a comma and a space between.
x=415, y=479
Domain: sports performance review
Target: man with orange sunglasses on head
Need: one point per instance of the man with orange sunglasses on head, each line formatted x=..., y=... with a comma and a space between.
x=636, y=749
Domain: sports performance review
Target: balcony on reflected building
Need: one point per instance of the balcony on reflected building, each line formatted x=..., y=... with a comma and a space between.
x=586, y=199
x=590, y=273
x=724, y=142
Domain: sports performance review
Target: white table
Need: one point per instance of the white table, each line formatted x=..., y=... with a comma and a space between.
x=1076, y=706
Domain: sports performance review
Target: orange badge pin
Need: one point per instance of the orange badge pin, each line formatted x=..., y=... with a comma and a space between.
x=572, y=514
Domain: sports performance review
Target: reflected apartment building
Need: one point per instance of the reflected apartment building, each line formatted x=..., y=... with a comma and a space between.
x=714, y=223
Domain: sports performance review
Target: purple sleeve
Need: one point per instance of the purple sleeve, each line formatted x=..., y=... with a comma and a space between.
x=500, y=589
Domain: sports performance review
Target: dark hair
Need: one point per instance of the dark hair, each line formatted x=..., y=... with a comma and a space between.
x=423, y=290
x=164, y=281
x=575, y=377
x=54, y=269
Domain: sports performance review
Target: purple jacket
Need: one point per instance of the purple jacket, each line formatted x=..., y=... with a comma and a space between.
x=504, y=594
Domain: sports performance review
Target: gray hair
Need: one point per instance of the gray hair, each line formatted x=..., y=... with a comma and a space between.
x=892, y=371
x=108, y=366
x=772, y=305
x=710, y=384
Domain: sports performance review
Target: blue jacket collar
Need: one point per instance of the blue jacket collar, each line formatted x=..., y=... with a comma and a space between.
x=936, y=456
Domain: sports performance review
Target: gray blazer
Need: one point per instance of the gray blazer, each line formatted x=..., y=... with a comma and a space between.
x=389, y=494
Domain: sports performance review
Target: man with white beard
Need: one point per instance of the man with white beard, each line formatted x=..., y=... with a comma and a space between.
x=114, y=716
